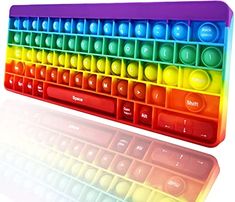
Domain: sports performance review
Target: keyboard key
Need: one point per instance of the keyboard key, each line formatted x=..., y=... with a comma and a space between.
x=139, y=148
x=121, y=143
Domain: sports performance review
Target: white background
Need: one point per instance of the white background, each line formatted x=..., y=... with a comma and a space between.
x=223, y=189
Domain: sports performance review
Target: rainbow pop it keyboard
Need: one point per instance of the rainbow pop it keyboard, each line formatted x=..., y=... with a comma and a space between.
x=54, y=157
x=163, y=67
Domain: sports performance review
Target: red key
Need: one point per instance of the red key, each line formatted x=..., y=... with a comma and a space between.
x=103, y=104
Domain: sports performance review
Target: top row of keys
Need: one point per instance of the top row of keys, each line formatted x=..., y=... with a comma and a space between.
x=208, y=32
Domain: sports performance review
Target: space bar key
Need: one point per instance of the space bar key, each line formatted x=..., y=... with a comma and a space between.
x=85, y=99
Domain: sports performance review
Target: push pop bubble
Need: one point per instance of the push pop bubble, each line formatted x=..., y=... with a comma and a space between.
x=150, y=72
x=65, y=77
x=140, y=30
x=47, y=41
x=38, y=41
x=113, y=47
x=132, y=70
x=56, y=25
x=106, y=85
x=139, y=91
x=123, y=29
x=67, y=26
x=180, y=31
x=129, y=49
x=116, y=67
x=92, y=82
x=170, y=75
x=59, y=42
x=159, y=31
x=50, y=58
x=138, y=64
x=146, y=51
x=25, y=23
x=188, y=55
x=122, y=87
x=80, y=27
x=78, y=79
x=108, y=28
x=73, y=61
x=16, y=23
x=93, y=27
x=98, y=46
x=27, y=39
x=34, y=24
x=212, y=57
x=71, y=44
x=17, y=38
x=208, y=32
x=166, y=52
x=44, y=25
x=87, y=62
x=101, y=65
x=84, y=45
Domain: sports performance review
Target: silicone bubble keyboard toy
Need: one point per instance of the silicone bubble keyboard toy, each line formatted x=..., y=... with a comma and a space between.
x=54, y=157
x=163, y=67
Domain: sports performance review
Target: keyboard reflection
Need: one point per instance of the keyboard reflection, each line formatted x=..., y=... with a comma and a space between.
x=54, y=157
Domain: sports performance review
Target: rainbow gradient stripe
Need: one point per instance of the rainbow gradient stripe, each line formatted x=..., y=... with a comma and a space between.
x=51, y=156
x=144, y=64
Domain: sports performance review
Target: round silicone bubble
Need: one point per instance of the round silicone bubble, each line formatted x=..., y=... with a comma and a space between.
x=194, y=102
x=17, y=37
x=80, y=27
x=93, y=27
x=208, y=32
x=67, y=26
x=48, y=41
x=170, y=75
x=71, y=43
x=199, y=79
x=108, y=28
x=129, y=49
x=25, y=23
x=56, y=25
x=212, y=57
x=84, y=44
x=116, y=67
x=180, y=31
x=34, y=24
x=113, y=47
x=37, y=40
x=98, y=46
x=166, y=52
x=140, y=30
x=123, y=29
x=16, y=23
x=187, y=54
x=146, y=51
x=59, y=42
x=44, y=25
x=150, y=72
x=101, y=65
x=159, y=30
x=132, y=69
